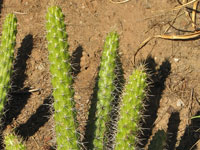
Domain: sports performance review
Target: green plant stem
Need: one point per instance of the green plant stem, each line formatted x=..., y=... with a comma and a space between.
x=105, y=88
x=12, y=142
x=60, y=68
x=130, y=110
x=8, y=42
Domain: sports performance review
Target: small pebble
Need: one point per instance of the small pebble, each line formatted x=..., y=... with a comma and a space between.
x=179, y=103
x=176, y=60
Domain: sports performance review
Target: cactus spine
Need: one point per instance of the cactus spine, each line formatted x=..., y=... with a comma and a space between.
x=12, y=142
x=130, y=111
x=60, y=68
x=105, y=88
x=8, y=41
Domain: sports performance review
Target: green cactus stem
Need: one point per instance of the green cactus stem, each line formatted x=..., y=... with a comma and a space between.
x=8, y=42
x=159, y=141
x=130, y=110
x=105, y=88
x=12, y=142
x=60, y=68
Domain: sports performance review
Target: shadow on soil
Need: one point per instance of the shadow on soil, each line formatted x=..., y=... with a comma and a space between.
x=90, y=127
x=191, y=135
x=157, y=85
x=76, y=60
x=37, y=120
x=23, y=54
x=1, y=3
x=172, y=130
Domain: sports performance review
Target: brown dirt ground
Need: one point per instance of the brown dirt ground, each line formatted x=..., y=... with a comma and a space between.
x=174, y=95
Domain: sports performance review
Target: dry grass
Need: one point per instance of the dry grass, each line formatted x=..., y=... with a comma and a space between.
x=189, y=36
x=119, y=2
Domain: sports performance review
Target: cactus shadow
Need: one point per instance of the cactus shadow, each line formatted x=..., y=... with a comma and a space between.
x=37, y=120
x=17, y=97
x=2, y=145
x=158, y=141
x=90, y=127
x=172, y=130
x=1, y=3
x=191, y=135
x=76, y=59
x=23, y=54
x=157, y=85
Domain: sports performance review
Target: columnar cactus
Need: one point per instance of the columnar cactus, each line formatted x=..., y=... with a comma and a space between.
x=12, y=142
x=8, y=41
x=130, y=110
x=105, y=88
x=60, y=68
x=159, y=141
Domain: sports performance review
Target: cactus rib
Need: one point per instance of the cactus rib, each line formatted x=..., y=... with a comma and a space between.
x=105, y=88
x=8, y=42
x=60, y=68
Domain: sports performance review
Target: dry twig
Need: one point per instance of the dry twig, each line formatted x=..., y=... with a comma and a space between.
x=124, y=1
x=190, y=36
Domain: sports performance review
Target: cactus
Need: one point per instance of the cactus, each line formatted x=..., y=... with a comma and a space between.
x=130, y=110
x=105, y=88
x=8, y=41
x=159, y=141
x=60, y=68
x=12, y=142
